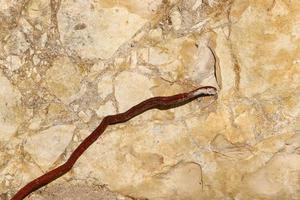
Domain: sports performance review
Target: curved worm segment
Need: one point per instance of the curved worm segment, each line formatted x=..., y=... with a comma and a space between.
x=155, y=102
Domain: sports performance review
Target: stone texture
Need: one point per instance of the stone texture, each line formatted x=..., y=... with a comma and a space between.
x=11, y=114
x=46, y=147
x=130, y=89
x=94, y=31
x=64, y=65
x=70, y=192
x=106, y=109
x=105, y=86
x=63, y=79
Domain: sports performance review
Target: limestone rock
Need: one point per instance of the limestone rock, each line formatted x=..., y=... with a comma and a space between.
x=39, y=12
x=105, y=86
x=11, y=114
x=63, y=79
x=97, y=32
x=270, y=180
x=106, y=109
x=46, y=146
x=131, y=88
x=184, y=179
x=64, y=65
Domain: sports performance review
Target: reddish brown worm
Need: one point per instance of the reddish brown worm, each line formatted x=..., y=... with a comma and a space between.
x=164, y=102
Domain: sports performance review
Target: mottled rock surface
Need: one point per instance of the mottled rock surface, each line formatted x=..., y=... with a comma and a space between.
x=64, y=65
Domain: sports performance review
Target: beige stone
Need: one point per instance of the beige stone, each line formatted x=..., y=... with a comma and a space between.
x=11, y=114
x=176, y=19
x=46, y=147
x=105, y=86
x=85, y=116
x=35, y=123
x=63, y=79
x=6, y=5
x=131, y=88
x=269, y=65
x=184, y=179
x=106, y=109
x=157, y=56
x=16, y=43
x=13, y=62
x=67, y=64
x=145, y=8
x=98, y=32
x=39, y=12
x=203, y=68
x=270, y=180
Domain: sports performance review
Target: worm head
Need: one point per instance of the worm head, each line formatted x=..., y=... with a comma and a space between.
x=205, y=91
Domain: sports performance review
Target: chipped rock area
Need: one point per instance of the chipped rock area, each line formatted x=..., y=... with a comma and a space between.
x=64, y=65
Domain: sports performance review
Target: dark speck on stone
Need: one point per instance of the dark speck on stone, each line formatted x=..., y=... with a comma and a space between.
x=80, y=26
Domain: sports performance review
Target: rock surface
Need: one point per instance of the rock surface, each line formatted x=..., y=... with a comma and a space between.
x=64, y=65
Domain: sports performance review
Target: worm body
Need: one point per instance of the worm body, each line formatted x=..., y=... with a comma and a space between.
x=163, y=102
